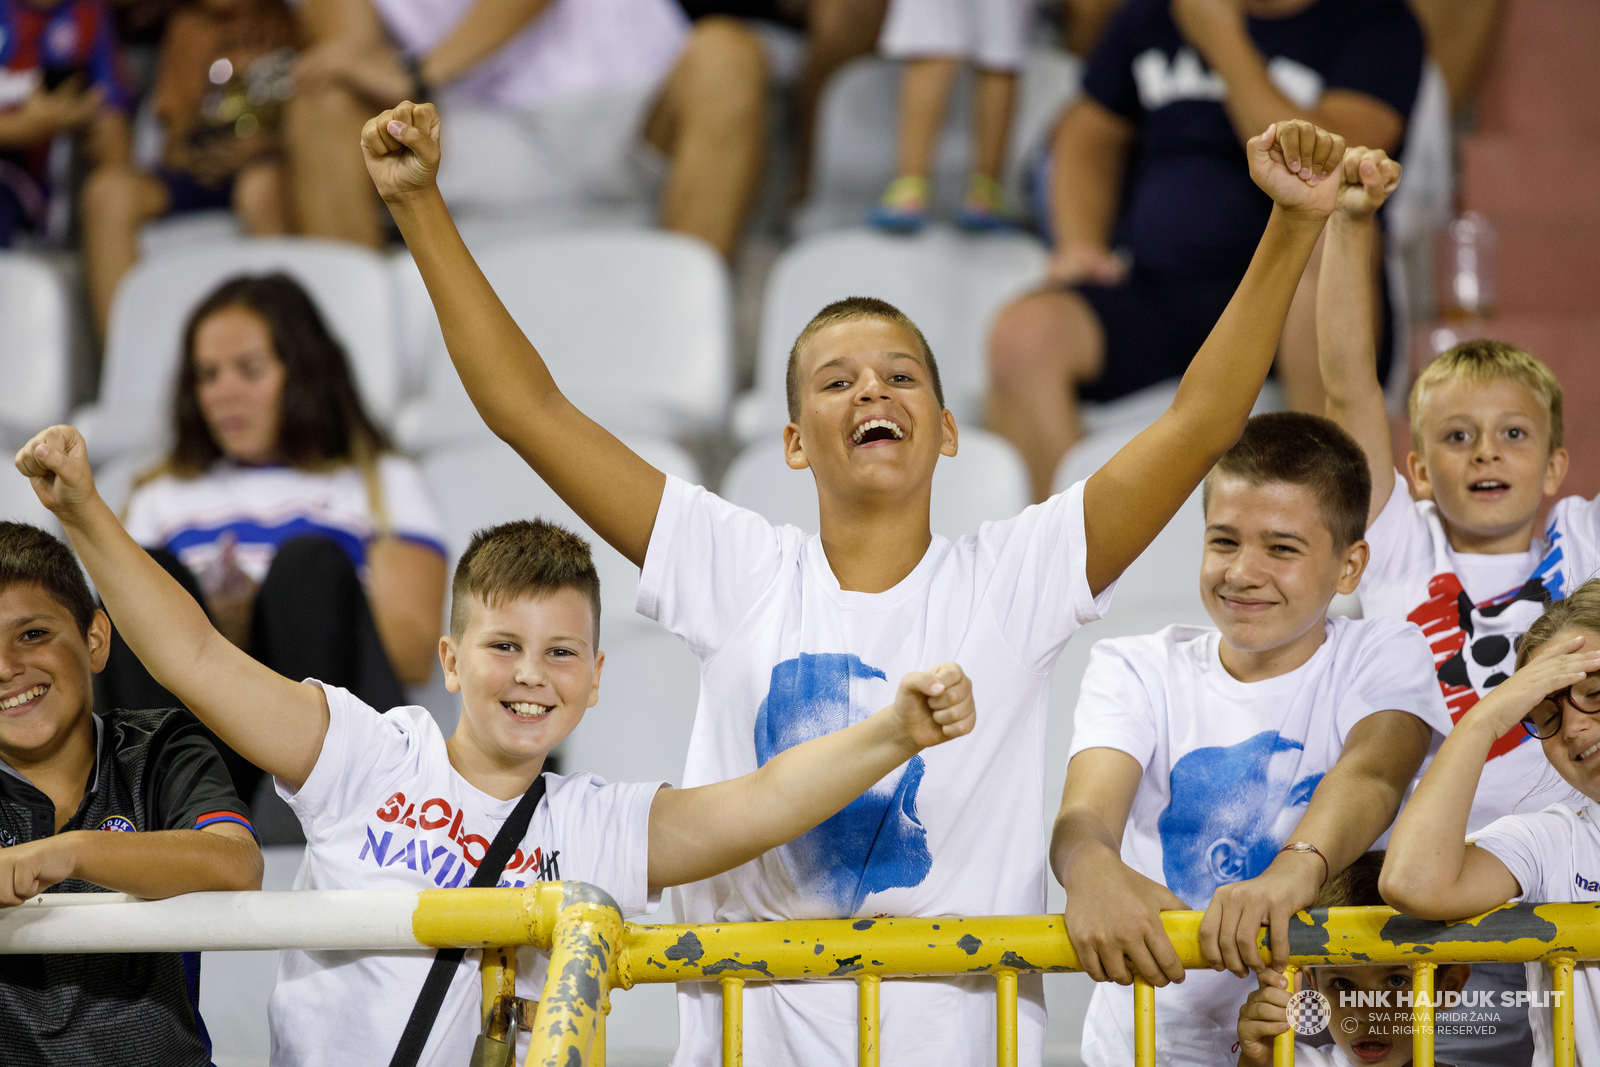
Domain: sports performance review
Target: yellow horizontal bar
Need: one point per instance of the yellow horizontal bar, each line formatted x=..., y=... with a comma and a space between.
x=846, y=948
x=479, y=918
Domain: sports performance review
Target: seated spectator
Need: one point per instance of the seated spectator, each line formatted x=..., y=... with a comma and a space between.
x=66, y=775
x=1154, y=215
x=220, y=86
x=934, y=37
x=557, y=103
x=59, y=74
x=219, y=89
x=283, y=511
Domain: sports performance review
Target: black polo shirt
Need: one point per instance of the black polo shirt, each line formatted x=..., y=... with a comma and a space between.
x=154, y=770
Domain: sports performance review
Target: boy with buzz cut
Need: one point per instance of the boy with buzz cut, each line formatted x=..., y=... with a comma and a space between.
x=388, y=802
x=129, y=802
x=799, y=635
x=1366, y=1000
x=1464, y=559
x=1238, y=769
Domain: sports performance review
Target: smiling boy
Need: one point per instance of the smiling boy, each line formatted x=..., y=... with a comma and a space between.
x=798, y=634
x=387, y=802
x=1465, y=560
x=1238, y=769
x=130, y=802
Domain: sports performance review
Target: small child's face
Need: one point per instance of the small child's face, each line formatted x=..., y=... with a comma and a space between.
x=527, y=669
x=869, y=420
x=45, y=669
x=1270, y=567
x=1483, y=455
x=1380, y=1033
x=1574, y=751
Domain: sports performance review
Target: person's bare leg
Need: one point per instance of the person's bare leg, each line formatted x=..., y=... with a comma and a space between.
x=261, y=201
x=1296, y=365
x=924, y=91
x=329, y=192
x=837, y=31
x=711, y=121
x=991, y=121
x=117, y=200
x=1041, y=349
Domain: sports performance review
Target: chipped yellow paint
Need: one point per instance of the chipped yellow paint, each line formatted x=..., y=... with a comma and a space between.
x=867, y=1024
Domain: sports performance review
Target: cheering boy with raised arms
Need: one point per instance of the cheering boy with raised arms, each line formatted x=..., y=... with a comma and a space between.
x=800, y=635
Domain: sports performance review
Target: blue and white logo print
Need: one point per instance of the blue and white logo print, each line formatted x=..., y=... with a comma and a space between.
x=1231, y=810
x=875, y=843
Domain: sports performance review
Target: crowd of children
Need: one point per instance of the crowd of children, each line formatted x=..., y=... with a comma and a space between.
x=1246, y=770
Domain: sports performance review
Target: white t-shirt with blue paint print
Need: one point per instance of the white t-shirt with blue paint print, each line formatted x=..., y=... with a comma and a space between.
x=259, y=508
x=786, y=655
x=1472, y=608
x=1229, y=770
x=384, y=809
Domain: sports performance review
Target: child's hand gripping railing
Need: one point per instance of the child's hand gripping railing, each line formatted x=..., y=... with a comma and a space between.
x=592, y=951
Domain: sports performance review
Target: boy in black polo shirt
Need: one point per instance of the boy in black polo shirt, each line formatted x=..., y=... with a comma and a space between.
x=66, y=773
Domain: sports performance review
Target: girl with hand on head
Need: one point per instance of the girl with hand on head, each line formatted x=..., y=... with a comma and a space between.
x=283, y=509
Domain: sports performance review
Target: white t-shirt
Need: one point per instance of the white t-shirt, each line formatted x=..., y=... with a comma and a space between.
x=1472, y=608
x=571, y=47
x=1229, y=769
x=1326, y=1056
x=786, y=655
x=1554, y=855
x=262, y=507
x=383, y=809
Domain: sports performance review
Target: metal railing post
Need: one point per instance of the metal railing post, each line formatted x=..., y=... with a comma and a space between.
x=1144, y=1023
x=1283, y=1044
x=1561, y=1013
x=732, y=1021
x=1422, y=1013
x=1005, y=1023
x=588, y=933
x=867, y=1020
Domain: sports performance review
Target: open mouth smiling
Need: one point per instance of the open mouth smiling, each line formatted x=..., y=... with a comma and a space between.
x=524, y=709
x=874, y=431
x=27, y=696
x=1586, y=753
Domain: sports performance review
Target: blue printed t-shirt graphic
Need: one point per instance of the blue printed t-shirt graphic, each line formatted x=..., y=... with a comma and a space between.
x=876, y=842
x=1231, y=810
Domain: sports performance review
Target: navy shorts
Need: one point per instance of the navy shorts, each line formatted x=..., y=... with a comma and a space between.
x=186, y=193
x=1153, y=328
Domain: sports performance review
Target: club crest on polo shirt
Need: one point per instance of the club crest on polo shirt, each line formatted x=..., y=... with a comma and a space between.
x=119, y=823
x=430, y=838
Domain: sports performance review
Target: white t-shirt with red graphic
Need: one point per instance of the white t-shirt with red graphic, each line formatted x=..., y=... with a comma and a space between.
x=383, y=809
x=1472, y=608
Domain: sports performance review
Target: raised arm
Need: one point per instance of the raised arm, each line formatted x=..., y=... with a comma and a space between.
x=152, y=864
x=1113, y=912
x=1430, y=870
x=1354, y=803
x=696, y=833
x=599, y=477
x=1346, y=334
x=273, y=722
x=1129, y=500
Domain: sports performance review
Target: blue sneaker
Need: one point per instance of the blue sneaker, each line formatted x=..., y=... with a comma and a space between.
x=904, y=207
x=983, y=208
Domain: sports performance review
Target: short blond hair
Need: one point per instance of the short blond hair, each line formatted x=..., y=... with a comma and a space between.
x=1482, y=362
x=848, y=310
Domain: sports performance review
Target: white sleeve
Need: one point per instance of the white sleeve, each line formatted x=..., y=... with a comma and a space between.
x=605, y=831
x=141, y=518
x=1574, y=529
x=707, y=565
x=1038, y=585
x=1116, y=707
x=412, y=516
x=1393, y=672
x=361, y=750
x=1525, y=843
x=1401, y=549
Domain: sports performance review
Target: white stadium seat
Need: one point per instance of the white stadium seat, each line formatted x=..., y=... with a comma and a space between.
x=985, y=481
x=349, y=284
x=951, y=285
x=636, y=326
x=35, y=353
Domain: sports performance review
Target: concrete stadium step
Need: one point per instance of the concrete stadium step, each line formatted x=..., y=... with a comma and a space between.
x=1522, y=177
x=1541, y=78
x=1570, y=346
x=1547, y=267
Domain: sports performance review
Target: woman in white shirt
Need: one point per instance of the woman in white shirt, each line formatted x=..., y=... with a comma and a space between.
x=284, y=510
